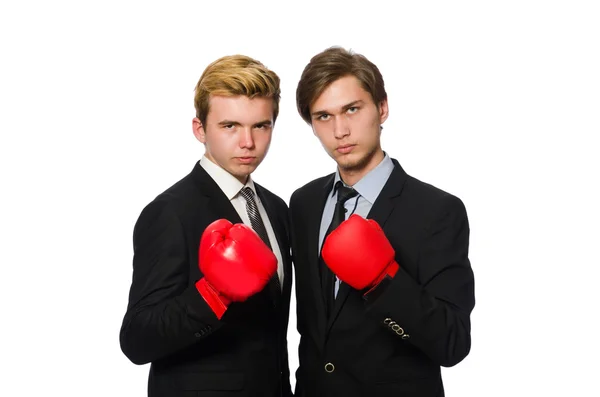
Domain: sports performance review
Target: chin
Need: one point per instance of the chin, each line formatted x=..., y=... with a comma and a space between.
x=246, y=169
x=348, y=161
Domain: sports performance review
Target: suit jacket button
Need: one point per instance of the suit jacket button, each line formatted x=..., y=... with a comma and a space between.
x=329, y=367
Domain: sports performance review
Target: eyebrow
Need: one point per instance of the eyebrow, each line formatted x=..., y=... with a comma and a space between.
x=264, y=122
x=237, y=123
x=345, y=107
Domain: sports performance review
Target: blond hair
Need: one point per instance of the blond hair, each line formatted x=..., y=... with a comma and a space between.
x=236, y=75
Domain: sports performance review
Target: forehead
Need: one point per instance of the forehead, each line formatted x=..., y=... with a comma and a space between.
x=341, y=92
x=240, y=108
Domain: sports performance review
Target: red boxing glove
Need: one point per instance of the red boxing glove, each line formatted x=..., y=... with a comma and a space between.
x=359, y=253
x=236, y=264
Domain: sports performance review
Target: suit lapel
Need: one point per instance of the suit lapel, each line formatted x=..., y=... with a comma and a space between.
x=315, y=213
x=218, y=203
x=383, y=206
x=280, y=233
x=340, y=299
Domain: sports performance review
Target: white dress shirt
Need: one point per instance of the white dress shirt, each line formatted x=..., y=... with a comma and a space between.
x=232, y=187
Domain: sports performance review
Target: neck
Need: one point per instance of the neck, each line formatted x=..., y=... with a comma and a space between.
x=242, y=179
x=352, y=175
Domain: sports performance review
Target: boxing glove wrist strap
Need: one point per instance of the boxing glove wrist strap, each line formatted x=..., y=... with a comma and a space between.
x=390, y=271
x=218, y=303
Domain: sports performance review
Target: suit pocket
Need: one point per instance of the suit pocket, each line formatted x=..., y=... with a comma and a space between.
x=210, y=381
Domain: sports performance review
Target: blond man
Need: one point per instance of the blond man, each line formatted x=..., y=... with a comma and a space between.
x=209, y=300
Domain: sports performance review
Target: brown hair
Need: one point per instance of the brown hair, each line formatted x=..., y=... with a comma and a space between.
x=330, y=65
x=236, y=75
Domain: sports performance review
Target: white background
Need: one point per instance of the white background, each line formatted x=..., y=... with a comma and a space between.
x=495, y=102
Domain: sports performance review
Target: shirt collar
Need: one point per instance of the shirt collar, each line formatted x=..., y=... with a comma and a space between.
x=370, y=185
x=228, y=183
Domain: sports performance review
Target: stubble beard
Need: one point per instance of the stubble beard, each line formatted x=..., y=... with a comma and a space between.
x=358, y=165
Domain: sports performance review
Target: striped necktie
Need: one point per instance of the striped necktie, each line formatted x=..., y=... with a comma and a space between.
x=258, y=225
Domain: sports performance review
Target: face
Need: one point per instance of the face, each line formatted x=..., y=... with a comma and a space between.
x=237, y=133
x=347, y=122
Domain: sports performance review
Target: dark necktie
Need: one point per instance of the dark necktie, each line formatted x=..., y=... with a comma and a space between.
x=258, y=226
x=339, y=215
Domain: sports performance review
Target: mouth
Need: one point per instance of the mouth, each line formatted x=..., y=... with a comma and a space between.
x=246, y=159
x=344, y=149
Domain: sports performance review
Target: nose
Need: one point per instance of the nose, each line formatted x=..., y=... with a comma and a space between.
x=341, y=127
x=246, y=138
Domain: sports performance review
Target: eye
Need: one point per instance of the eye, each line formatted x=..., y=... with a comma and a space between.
x=352, y=109
x=228, y=126
x=323, y=117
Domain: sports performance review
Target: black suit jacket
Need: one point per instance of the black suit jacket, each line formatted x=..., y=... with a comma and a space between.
x=392, y=342
x=169, y=324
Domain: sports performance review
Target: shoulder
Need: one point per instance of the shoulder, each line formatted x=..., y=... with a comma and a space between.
x=310, y=189
x=279, y=203
x=172, y=200
x=433, y=202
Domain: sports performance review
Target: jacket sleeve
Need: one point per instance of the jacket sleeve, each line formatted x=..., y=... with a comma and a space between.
x=285, y=370
x=433, y=314
x=285, y=364
x=165, y=312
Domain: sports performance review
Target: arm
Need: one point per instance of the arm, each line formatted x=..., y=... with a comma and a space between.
x=285, y=364
x=434, y=313
x=285, y=371
x=165, y=313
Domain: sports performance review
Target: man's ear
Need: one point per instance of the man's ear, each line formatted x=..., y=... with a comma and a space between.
x=383, y=111
x=198, y=129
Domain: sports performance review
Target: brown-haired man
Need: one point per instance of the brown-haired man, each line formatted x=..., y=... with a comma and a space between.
x=383, y=281
x=209, y=301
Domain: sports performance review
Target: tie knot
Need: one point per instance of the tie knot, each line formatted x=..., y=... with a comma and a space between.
x=247, y=193
x=344, y=193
